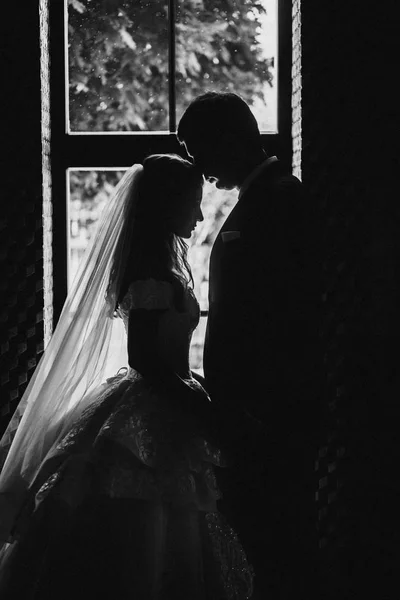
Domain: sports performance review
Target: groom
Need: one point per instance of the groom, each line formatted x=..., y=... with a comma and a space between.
x=261, y=358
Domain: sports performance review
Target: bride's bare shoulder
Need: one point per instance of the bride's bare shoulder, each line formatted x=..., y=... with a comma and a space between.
x=148, y=294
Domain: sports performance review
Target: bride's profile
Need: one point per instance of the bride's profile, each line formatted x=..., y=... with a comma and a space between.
x=108, y=487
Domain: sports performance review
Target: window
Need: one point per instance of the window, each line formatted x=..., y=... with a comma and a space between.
x=136, y=65
x=119, y=84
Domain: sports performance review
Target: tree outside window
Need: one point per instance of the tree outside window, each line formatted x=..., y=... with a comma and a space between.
x=118, y=59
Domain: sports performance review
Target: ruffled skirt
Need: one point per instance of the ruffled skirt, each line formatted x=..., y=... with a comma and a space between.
x=126, y=507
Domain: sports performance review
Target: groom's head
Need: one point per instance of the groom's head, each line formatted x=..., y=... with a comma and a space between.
x=221, y=134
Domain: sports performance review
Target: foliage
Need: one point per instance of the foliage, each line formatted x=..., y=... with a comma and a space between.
x=118, y=59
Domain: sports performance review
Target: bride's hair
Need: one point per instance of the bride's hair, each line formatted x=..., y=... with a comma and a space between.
x=155, y=250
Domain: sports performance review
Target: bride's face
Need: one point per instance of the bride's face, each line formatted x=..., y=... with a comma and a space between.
x=190, y=213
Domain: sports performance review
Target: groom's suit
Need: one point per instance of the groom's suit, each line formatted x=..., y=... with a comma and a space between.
x=261, y=365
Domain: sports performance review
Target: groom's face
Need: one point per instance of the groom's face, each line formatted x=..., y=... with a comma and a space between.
x=214, y=162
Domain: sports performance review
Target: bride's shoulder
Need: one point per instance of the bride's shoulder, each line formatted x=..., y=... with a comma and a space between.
x=148, y=294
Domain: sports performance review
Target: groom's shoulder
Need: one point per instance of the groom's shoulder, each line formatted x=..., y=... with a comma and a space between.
x=278, y=175
x=280, y=183
x=282, y=194
x=282, y=175
x=288, y=184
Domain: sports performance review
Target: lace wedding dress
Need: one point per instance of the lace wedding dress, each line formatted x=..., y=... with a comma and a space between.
x=126, y=505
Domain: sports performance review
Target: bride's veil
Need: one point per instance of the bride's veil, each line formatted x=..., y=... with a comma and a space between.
x=78, y=358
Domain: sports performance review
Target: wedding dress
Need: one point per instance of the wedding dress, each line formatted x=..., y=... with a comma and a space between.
x=125, y=505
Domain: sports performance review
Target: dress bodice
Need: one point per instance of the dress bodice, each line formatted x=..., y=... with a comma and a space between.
x=175, y=326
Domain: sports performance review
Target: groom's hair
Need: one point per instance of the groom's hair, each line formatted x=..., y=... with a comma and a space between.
x=213, y=114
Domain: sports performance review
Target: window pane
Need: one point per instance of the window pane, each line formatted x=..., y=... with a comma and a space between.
x=88, y=194
x=118, y=65
x=228, y=47
x=197, y=347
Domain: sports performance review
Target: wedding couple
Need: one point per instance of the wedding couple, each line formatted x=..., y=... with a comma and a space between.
x=111, y=487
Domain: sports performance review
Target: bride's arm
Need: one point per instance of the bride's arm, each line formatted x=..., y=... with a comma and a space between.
x=144, y=351
x=147, y=356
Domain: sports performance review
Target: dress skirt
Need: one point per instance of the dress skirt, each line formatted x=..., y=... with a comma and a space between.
x=126, y=507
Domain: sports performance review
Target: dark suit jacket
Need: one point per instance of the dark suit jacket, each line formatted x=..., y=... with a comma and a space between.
x=261, y=356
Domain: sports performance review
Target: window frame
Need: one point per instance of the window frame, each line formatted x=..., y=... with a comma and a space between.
x=112, y=150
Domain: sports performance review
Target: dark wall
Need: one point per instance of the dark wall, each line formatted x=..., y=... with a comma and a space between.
x=21, y=270
x=350, y=161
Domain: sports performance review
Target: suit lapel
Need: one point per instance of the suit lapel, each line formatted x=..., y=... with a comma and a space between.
x=236, y=217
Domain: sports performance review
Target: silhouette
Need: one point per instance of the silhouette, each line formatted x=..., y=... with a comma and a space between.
x=261, y=357
x=108, y=487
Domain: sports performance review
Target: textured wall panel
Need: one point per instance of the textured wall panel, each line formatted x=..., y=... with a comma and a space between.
x=350, y=162
x=21, y=240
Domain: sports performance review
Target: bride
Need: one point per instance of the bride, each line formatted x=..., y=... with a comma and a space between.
x=108, y=485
